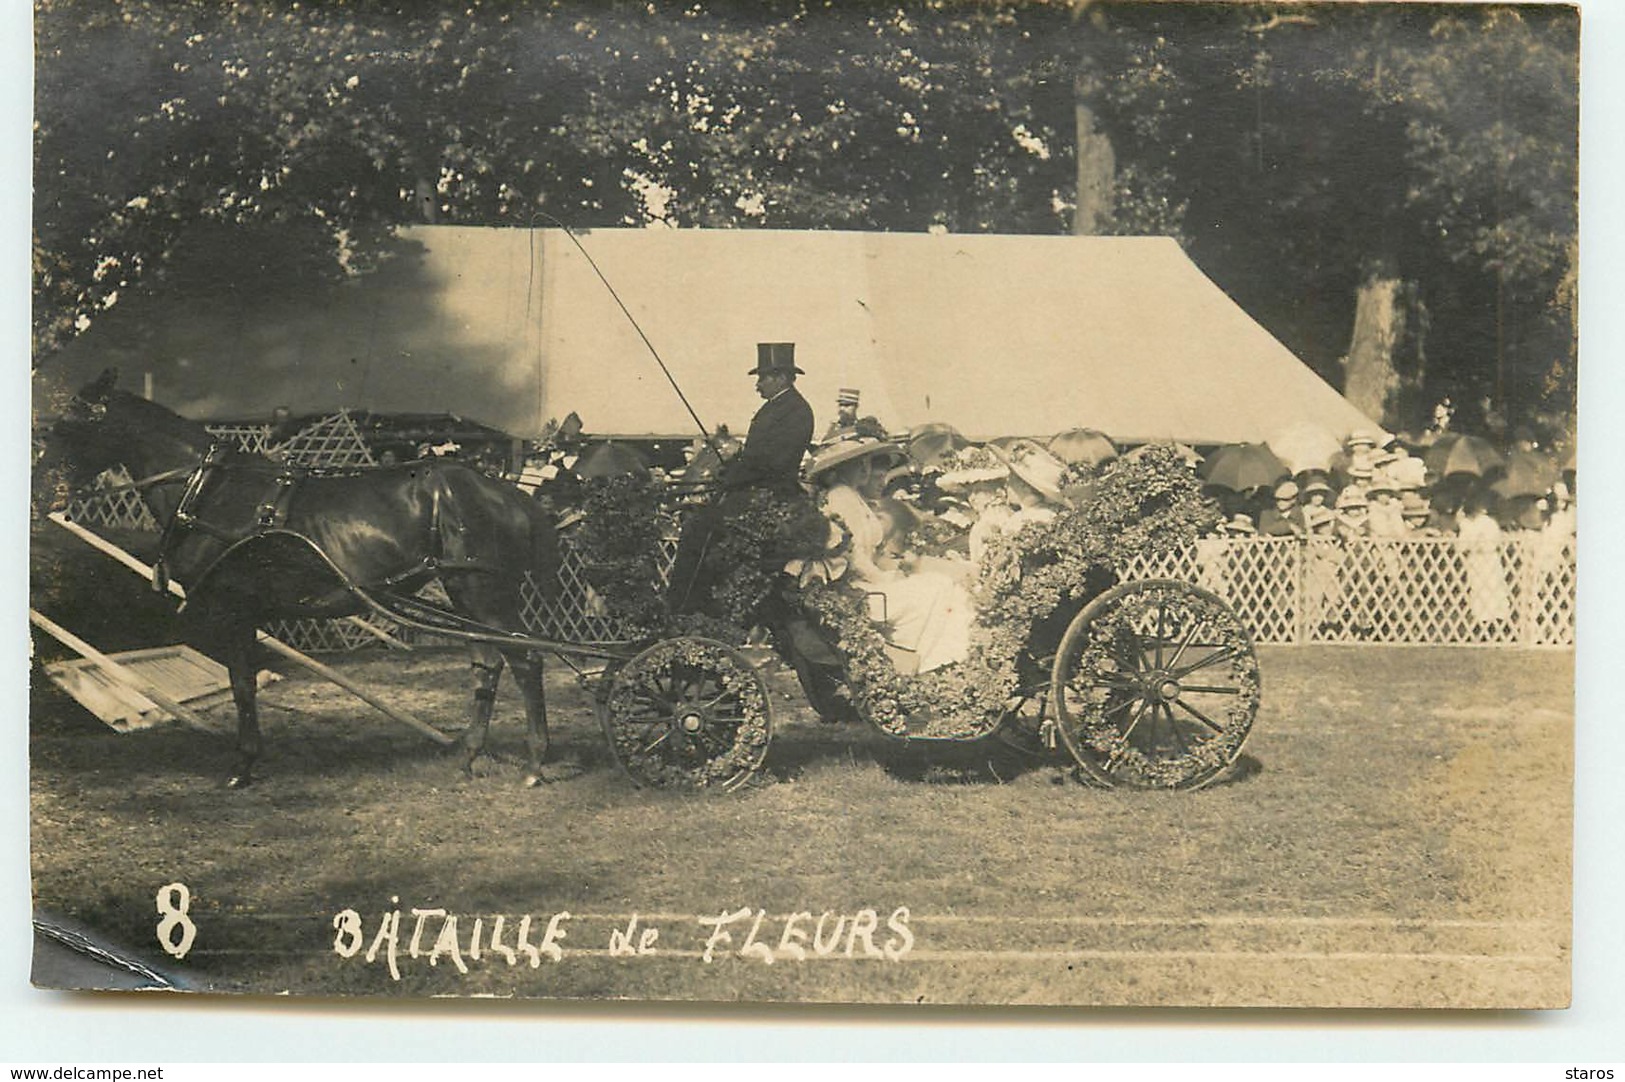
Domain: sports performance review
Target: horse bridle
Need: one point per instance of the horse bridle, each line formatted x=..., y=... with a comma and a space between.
x=181, y=518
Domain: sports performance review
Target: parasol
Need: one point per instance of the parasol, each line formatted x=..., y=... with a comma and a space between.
x=611, y=459
x=1305, y=445
x=1241, y=467
x=1528, y=473
x=1083, y=447
x=1455, y=453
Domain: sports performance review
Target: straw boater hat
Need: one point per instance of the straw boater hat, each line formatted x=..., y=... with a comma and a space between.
x=847, y=396
x=1350, y=497
x=1239, y=523
x=1286, y=490
x=1412, y=505
x=1317, y=517
x=841, y=452
x=775, y=358
x=1316, y=484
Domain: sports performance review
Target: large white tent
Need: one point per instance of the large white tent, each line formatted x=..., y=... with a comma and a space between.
x=996, y=335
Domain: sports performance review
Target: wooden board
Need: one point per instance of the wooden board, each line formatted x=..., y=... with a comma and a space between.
x=178, y=671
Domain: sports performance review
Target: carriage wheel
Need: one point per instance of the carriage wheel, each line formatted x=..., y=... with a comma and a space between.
x=688, y=713
x=1155, y=686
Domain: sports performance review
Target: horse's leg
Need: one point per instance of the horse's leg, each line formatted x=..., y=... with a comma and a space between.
x=487, y=661
x=239, y=642
x=528, y=673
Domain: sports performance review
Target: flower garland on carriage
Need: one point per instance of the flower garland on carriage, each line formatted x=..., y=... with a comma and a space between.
x=926, y=586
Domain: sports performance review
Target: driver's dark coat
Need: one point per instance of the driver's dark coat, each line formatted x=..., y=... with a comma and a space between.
x=774, y=446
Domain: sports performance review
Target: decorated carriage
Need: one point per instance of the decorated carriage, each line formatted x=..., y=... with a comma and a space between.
x=1146, y=684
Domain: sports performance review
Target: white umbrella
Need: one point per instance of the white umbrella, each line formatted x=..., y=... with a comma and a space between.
x=1305, y=445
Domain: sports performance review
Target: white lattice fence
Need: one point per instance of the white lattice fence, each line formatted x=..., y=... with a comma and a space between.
x=579, y=614
x=1413, y=592
x=331, y=443
x=1520, y=593
x=253, y=439
x=110, y=502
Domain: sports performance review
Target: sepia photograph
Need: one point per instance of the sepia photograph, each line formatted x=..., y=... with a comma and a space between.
x=960, y=504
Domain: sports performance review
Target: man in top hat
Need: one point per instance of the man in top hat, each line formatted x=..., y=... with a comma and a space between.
x=781, y=430
x=770, y=461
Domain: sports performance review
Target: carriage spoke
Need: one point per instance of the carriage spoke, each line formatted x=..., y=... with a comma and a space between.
x=1210, y=689
x=1212, y=659
x=656, y=742
x=1162, y=612
x=1138, y=715
x=1173, y=727
x=1173, y=663
x=1199, y=716
x=1119, y=706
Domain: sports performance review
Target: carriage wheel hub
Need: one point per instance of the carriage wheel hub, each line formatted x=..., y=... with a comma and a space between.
x=691, y=721
x=1160, y=687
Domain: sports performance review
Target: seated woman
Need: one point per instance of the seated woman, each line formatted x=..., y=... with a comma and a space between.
x=927, y=614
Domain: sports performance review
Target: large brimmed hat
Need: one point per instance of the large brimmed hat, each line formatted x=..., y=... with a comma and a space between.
x=929, y=444
x=775, y=358
x=841, y=452
x=969, y=477
x=1034, y=466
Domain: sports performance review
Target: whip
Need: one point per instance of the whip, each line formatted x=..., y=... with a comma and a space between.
x=705, y=433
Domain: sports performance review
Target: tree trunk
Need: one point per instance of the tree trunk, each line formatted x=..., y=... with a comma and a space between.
x=1385, y=364
x=1097, y=175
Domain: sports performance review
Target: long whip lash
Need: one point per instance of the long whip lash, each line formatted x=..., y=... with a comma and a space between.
x=704, y=432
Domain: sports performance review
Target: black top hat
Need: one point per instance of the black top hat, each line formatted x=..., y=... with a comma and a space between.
x=777, y=358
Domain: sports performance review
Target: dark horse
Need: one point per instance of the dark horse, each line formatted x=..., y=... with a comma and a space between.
x=255, y=541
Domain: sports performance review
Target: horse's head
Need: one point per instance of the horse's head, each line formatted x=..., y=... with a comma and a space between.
x=71, y=450
x=101, y=427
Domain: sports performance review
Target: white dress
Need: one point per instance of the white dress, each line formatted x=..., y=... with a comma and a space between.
x=1478, y=538
x=927, y=613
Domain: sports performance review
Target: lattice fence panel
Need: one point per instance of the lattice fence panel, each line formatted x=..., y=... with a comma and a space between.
x=325, y=636
x=579, y=614
x=1520, y=593
x=1259, y=579
x=331, y=443
x=1553, y=590
x=254, y=439
x=110, y=503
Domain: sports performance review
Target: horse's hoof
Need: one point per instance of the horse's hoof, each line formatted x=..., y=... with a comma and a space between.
x=563, y=770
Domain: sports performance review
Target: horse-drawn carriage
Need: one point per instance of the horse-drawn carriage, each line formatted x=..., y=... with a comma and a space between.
x=1149, y=684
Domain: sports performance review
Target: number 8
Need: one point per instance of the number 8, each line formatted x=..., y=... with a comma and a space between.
x=173, y=902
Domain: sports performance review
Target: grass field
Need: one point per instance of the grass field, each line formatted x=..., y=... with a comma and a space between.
x=1398, y=834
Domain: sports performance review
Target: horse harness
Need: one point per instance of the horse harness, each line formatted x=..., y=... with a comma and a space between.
x=271, y=516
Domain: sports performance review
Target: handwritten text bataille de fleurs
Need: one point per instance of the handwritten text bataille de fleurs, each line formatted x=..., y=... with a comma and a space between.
x=436, y=937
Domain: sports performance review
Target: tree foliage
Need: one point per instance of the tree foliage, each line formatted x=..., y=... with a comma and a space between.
x=194, y=145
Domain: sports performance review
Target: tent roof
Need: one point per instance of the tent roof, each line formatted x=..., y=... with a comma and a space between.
x=994, y=334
